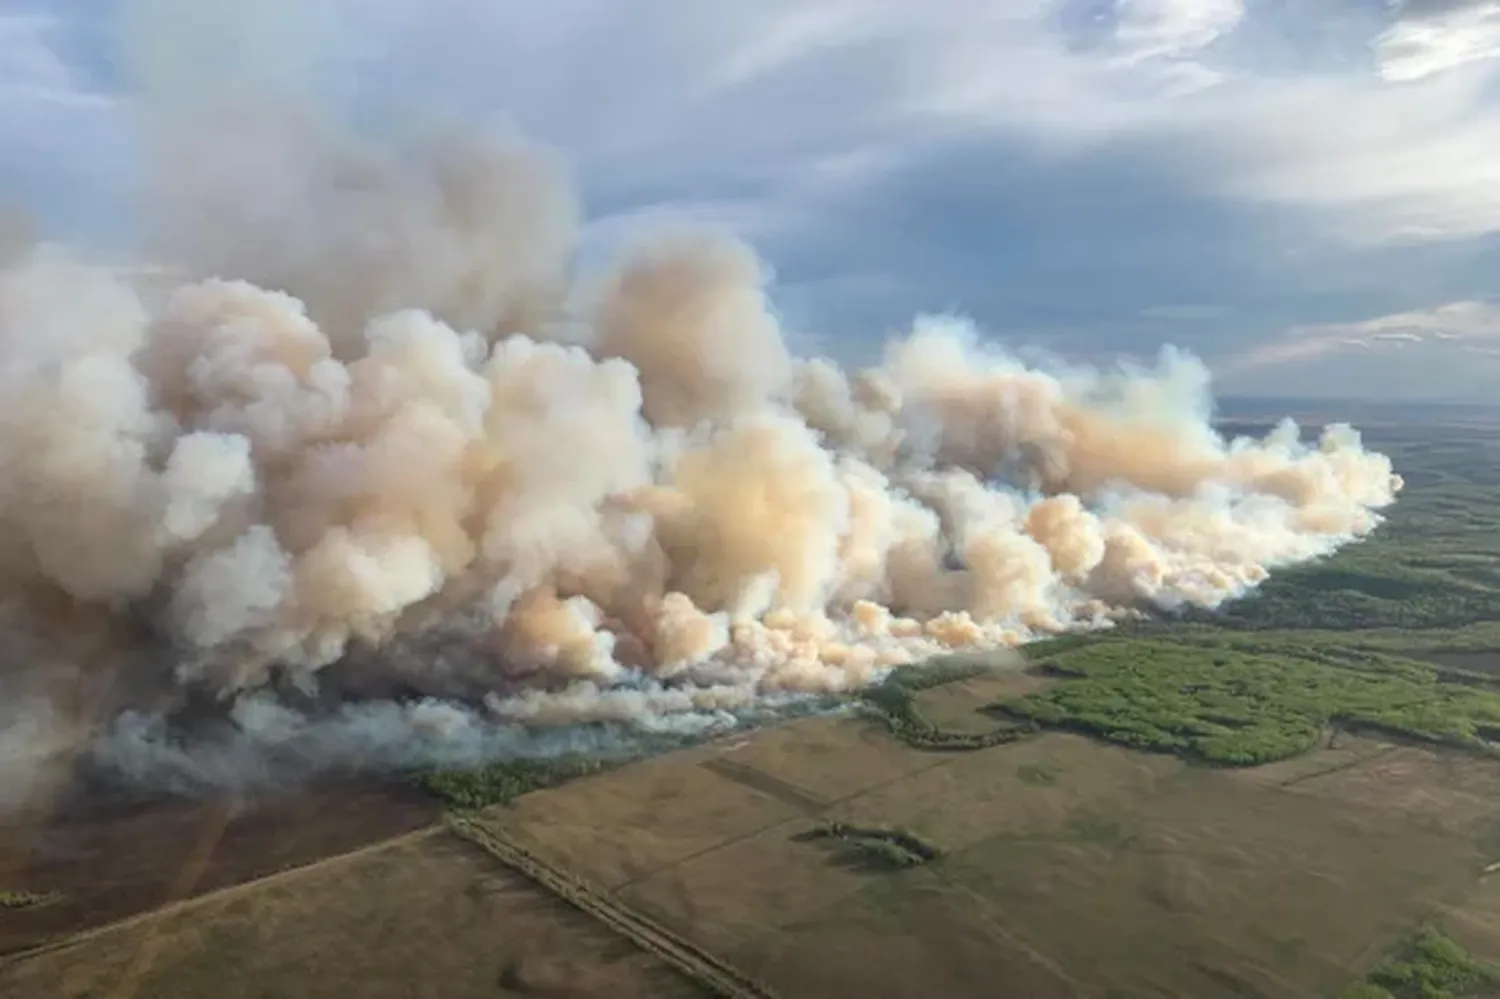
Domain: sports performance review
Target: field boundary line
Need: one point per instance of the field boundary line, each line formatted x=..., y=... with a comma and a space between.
x=653, y=938
x=986, y=908
x=752, y=777
x=944, y=759
x=216, y=895
x=827, y=806
x=1333, y=768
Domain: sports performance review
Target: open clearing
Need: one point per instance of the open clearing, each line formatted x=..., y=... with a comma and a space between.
x=106, y=862
x=1070, y=867
x=1476, y=662
x=423, y=916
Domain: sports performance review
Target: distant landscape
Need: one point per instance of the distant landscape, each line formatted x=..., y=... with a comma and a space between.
x=1297, y=795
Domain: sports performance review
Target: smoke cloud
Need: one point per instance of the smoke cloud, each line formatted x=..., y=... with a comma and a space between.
x=371, y=470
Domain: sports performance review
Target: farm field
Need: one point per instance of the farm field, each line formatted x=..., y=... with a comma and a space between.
x=1073, y=867
x=421, y=916
x=102, y=862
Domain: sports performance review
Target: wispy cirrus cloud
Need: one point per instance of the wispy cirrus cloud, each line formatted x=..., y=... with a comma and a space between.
x=1456, y=328
x=1434, y=37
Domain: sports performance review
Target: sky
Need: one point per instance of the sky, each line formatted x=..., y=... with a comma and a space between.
x=1306, y=195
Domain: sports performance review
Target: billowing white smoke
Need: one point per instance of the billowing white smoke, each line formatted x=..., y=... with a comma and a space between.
x=410, y=449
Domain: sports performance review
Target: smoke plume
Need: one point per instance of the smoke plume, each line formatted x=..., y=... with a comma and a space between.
x=371, y=469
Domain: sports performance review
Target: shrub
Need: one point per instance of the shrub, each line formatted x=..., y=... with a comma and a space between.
x=876, y=846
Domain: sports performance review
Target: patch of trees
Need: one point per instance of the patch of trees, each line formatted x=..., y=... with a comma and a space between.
x=26, y=899
x=893, y=703
x=501, y=782
x=875, y=846
x=1241, y=704
x=1429, y=966
x=1309, y=601
x=1433, y=564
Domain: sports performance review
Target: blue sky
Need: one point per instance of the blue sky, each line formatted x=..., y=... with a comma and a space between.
x=1305, y=194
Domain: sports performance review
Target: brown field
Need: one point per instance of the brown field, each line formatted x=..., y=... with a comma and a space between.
x=111, y=861
x=1426, y=788
x=952, y=705
x=1483, y=661
x=1473, y=917
x=423, y=916
x=658, y=813
x=1069, y=868
x=1205, y=888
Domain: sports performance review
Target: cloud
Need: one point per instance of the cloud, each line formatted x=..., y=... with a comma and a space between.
x=1462, y=324
x=1457, y=343
x=31, y=70
x=59, y=153
x=1059, y=167
x=1173, y=32
x=1434, y=37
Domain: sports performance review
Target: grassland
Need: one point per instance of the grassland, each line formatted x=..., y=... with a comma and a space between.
x=696, y=964
x=1120, y=873
x=893, y=703
x=422, y=916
